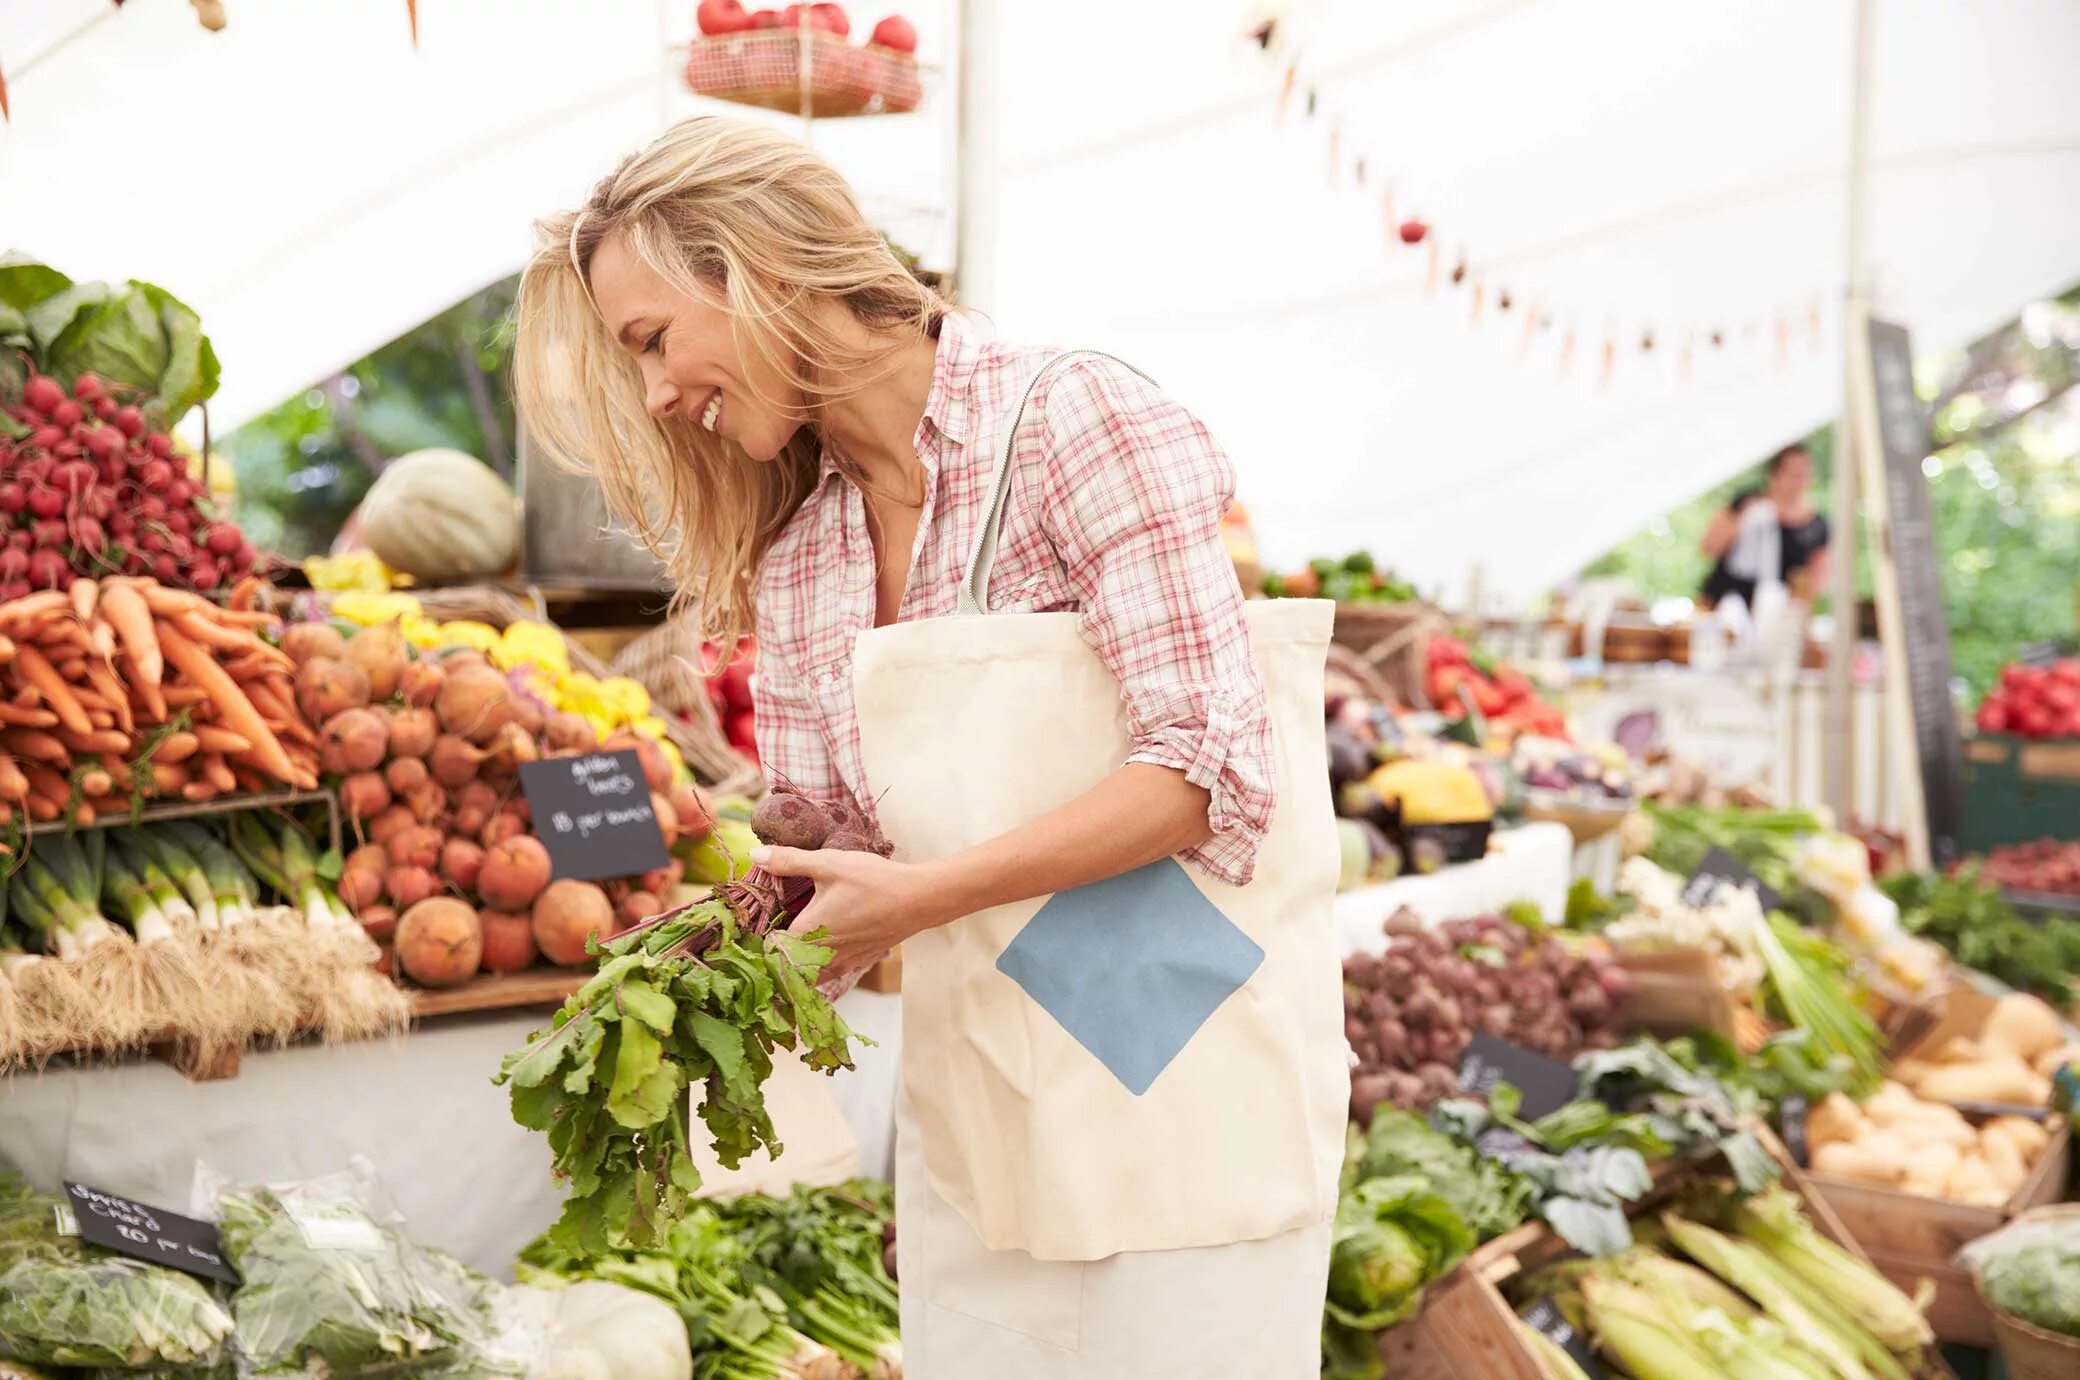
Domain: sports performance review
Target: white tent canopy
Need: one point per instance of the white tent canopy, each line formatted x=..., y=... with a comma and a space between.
x=1623, y=166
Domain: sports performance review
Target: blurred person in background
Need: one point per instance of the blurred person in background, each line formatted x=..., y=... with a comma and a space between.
x=1770, y=535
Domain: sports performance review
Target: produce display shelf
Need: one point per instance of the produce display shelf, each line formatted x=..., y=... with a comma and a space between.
x=2043, y=903
x=499, y=992
x=224, y=805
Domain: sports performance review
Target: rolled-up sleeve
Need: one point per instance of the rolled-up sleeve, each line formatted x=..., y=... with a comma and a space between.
x=1136, y=491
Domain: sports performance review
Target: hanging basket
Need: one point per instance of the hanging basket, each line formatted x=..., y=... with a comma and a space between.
x=665, y=661
x=805, y=72
x=1394, y=640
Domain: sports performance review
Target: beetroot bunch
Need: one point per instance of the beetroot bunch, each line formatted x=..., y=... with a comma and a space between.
x=90, y=490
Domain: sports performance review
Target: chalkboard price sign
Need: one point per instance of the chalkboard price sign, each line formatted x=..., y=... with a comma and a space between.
x=1903, y=435
x=1719, y=866
x=146, y=1233
x=593, y=813
x=1546, y=1084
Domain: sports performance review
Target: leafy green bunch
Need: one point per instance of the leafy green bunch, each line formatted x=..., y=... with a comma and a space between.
x=693, y=999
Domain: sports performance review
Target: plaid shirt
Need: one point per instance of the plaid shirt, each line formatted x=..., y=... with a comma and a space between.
x=1116, y=500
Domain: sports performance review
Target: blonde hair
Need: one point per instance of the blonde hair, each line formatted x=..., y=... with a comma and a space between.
x=741, y=212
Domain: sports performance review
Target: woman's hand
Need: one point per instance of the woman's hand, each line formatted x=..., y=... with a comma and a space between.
x=868, y=903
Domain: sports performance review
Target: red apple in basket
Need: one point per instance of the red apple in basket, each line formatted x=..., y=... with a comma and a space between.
x=766, y=19
x=895, y=33
x=830, y=18
x=721, y=17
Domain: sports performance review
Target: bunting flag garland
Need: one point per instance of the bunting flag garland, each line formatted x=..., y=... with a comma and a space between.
x=411, y=17
x=1406, y=230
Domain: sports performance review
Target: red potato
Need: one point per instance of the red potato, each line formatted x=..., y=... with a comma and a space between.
x=305, y=642
x=353, y=740
x=413, y=732
x=461, y=862
x=566, y=915
x=508, y=940
x=380, y=922
x=325, y=687
x=404, y=773
x=440, y=942
x=360, y=888
x=390, y=823
x=471, y=820
x=408, y=886
x=415, y=846
x=514, y=872
x=364, y=795
x=381, y=654
x=477, y=794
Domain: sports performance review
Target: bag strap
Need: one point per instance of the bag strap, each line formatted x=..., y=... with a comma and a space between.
x=974, y=591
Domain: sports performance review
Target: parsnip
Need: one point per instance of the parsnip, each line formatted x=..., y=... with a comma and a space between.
x=1855, y=1160
x=2004, y=1163
x=2006, y=1079
x=1929, y=1168
x=1959, y=1049
x=2020, y=1025
x=2029, y=1137
x=1836, y=1118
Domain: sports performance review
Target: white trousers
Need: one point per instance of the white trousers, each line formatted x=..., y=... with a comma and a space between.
x=1250, y=1311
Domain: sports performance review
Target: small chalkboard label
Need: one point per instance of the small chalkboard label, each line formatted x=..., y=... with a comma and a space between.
x=1545, y=1318
x=146, y=1233
x=1721, y=866
x=1791, y=1122
x=1994, y=1109
x=592, y=811
x=1545, y=1084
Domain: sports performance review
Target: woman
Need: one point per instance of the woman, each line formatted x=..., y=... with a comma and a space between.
x=812, y=441
x=1768, y=536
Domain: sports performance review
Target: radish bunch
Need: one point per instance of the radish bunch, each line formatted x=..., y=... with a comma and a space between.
x=92, y=490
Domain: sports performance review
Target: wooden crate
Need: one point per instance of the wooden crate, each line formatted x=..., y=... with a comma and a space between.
x=1912, y=1238
x=1674, y=993
x=1467, y=1329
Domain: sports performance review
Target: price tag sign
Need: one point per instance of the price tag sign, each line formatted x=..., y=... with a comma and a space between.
x=1721, y=866
x=1546, y=1084
x=1791, y=1123
x=592, y=812
x=1545, y=1318
x=146, y=1233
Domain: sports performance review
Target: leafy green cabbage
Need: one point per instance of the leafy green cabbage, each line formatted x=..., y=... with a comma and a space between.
x=133, y=335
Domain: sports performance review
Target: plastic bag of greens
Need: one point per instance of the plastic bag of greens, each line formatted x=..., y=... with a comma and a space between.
x=2031, y=1268
x=64, y=1302
x=333, y=1287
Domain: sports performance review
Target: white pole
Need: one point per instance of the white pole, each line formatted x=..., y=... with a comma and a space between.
x=975, y=215
x=1840, y=717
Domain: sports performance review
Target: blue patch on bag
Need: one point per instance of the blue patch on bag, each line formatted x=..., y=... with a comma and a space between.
x=1132, y=966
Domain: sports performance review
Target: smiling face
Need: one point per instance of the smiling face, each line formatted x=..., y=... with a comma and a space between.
x=1790, y=479
x=688, y=353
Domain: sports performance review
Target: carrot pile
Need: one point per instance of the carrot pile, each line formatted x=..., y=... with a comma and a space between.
x=123, y=690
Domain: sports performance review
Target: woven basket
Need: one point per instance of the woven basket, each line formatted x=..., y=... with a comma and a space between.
x=805, y=72
x=1347, y=675
x=2030, y=1352
x=666, y=661
x=699, y=740
x=1394, y=640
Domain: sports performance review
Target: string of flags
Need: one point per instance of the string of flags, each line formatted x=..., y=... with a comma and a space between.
x=209, y=14
x=1404, y=228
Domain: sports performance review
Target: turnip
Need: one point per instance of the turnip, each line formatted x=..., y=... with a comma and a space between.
x=508, y=940
x=353, y=740
x=408, y=886
x=416, y=845
x=637, y=907
x=566, y=915
x=380, y=652
x=514, y=872
x=360, y=888
x=413, y=732
x=325, y=687
x=440, y=942
x=474, y=704
x=501, y=827
x=306, y=642
x=402, y=774
x=461, y=863
x=454, y=760
x=364, y=795
x=380, y=922
x=427, y=802
x=420, y=684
